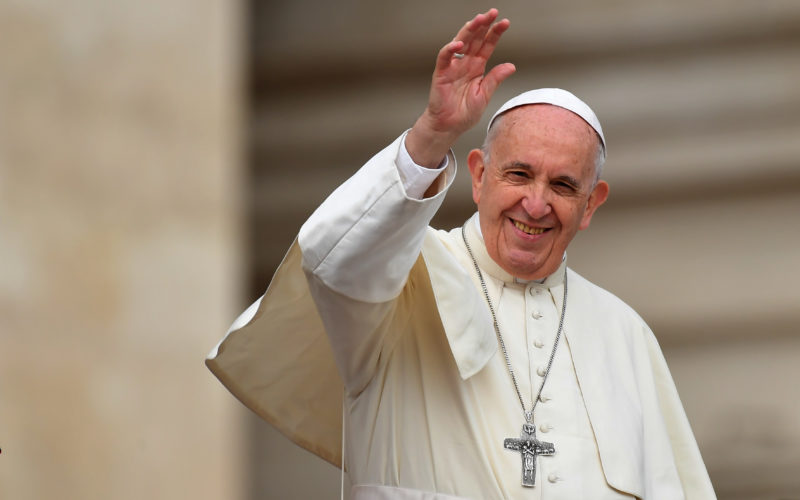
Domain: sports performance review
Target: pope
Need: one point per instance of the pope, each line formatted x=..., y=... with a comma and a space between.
x=412, y=357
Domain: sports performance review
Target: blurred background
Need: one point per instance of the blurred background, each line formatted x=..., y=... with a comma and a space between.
x=158, y=157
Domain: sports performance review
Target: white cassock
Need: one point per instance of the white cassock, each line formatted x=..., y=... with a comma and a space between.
x=428, y=400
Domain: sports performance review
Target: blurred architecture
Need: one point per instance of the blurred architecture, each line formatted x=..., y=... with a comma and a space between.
x=120, y=244
x=134, y=226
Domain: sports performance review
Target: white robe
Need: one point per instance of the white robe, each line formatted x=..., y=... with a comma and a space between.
x=428, y=400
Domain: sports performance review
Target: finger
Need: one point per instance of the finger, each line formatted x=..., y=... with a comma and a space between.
x=495, y=77
x=475, y=28
x=445, y=56
x=492, y=37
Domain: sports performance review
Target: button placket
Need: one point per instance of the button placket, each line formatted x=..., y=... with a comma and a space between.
x=536, y=302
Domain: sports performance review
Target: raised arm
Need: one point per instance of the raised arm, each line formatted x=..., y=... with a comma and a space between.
x=460, y=89
x=363, y=240
x=360, y=245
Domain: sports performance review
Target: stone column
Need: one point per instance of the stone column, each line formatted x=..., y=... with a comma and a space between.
x=120, y=243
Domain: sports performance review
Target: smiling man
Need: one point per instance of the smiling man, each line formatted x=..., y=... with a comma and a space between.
x=472, y=363
x=535, y=181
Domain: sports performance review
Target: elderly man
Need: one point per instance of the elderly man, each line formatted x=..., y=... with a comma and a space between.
x=474, y=363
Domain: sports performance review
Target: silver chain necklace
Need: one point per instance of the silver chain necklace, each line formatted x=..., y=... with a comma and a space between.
x=526, y=444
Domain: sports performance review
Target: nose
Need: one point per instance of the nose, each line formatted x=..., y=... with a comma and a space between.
x=536, y=204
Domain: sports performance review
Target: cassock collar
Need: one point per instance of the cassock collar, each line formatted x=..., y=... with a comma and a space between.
x=488, y=265
x=462, y=307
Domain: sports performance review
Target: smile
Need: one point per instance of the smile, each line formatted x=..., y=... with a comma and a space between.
x=527, y=229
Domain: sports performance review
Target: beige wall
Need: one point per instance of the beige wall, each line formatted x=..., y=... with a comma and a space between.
x=120, y=244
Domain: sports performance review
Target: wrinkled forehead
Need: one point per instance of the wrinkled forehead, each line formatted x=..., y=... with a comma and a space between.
x=536, y=133
x=556, y=97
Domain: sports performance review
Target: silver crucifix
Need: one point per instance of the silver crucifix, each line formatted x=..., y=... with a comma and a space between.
x=530, y=448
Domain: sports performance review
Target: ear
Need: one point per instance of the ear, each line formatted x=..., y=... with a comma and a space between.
x=598, y=197
x=476, y=171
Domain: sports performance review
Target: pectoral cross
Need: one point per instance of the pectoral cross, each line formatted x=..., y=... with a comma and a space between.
x=530, y=448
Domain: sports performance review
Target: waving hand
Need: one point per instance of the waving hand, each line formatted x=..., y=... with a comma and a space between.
x=460, y=88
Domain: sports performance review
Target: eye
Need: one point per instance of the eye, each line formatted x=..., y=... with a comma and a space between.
x=564, y=187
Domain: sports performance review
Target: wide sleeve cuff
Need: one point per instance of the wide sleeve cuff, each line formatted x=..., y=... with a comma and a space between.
x=364, y=239
x=416, y=178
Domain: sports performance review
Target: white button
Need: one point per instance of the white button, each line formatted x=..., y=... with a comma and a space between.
x=545, y=427
x=538, y=343
x=536, y=315
x=541, y=371
x=533, y=291
x=553, y=478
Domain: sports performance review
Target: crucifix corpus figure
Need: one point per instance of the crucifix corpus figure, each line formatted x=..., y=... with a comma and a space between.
x=431, y=346
x=530, y=448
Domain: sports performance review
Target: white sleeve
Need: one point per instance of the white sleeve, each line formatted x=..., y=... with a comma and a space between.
x=416, y=178
x=363, y=240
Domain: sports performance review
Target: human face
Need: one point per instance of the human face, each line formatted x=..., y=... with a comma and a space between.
x=537, y=188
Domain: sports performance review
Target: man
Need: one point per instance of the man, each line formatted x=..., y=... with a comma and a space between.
x=474, y=363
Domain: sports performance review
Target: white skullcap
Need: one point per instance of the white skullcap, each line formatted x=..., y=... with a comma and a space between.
x=556, y=97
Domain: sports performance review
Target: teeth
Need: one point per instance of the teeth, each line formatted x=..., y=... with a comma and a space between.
x=527, y=229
